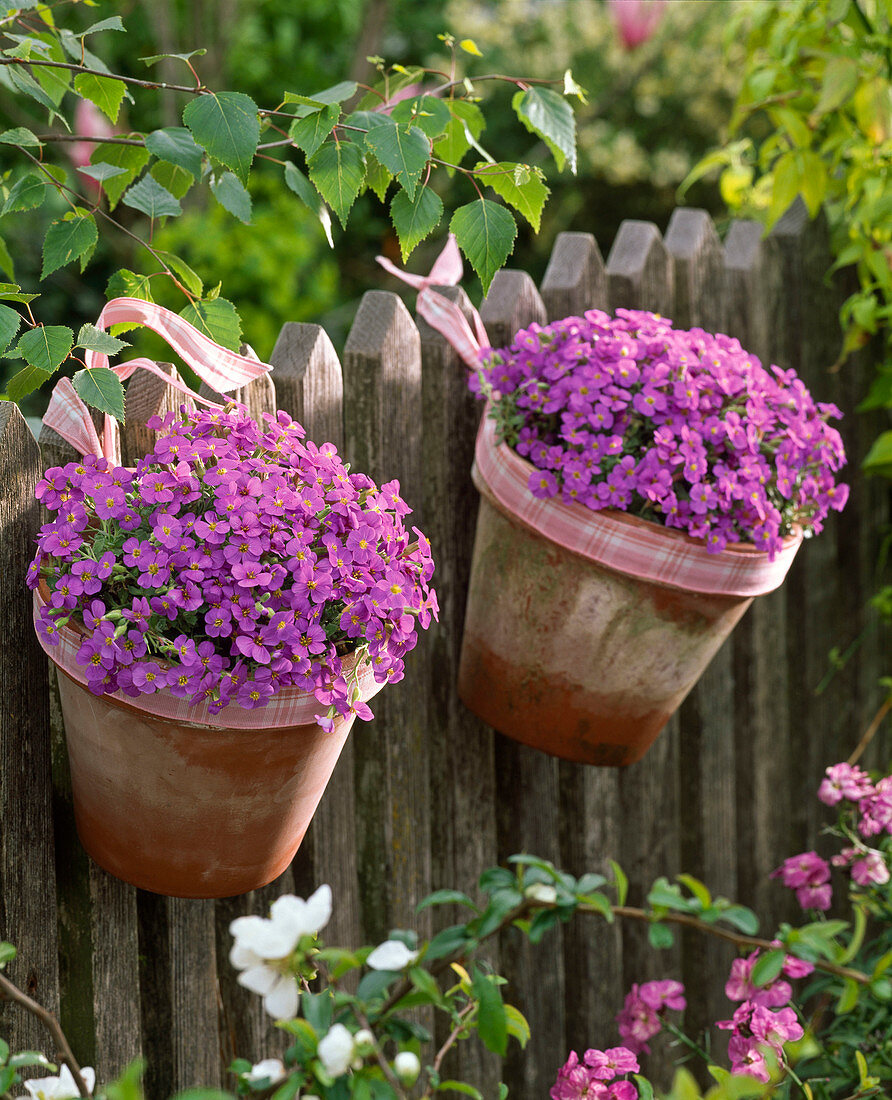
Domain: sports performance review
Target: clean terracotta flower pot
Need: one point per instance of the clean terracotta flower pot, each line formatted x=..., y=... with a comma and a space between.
x=190, y=804
x=584, y=631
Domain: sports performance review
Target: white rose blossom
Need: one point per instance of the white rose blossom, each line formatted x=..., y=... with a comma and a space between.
x=391, y=955
x=262, y=947
x=335, y=1050
x=61, y=1087
x=272, y=1068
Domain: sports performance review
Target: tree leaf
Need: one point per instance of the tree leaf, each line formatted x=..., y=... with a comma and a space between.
x=113, y=23
x=25, y=194
x=176, y=145
x=23, y=82
x=127, y=284
x=660, y=936
x=184, y=57
x=6, y=264
x=148, y=196
x=132, y=158
x=485, y=233
x=492, y=1023
x=106, y=93
x=101, y=172
x=446, y=897
x=338, y=173
x=310, y=197
x=71, y=238
x=94, y=339
x=460, y=1086
x=525, y=192
x=403, y=152
x=10, y=322
x=470, y=46
x=546, y=113
x=310, y=132
x=518, y=1026
x=767, y=967
x=218, y=319
x=230, y=194
x=415, y=219
x=172, y=178
x=466, y=125
x=20, y=135
x=427, y=112
x=100, y=388
x=26, y=381
x=840, y=81
x=337, y=93
x=361, y=124
x=46, y=346
x=377, y=178
x=785, y=183
x=183, y=272
x=226, y=124
x=12, y=292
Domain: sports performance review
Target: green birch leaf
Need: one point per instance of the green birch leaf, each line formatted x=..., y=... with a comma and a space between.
x=10, y=322
x=377, y=178
x=23, y=82
x=25, y=194
x=94, y=339
x=177, y=146
x=127, y=284
x=841, y=76
x=101, y=172
x=46, y=346
x=785, y=183
x=524, y=189
x=217, y=319
x=227, y=125
x=55, y=82
x=20, y=136
x=100, y=388
x=403, y=152
x=184, y=57
x=430, y=114
x=71, y=238
x=415, y=219
x=310, y=132
x=338, y=172
x=26, y=381
x=106, y=93
x=492, y=1023
x=132, y=158
x=183, y=272
x=113, y=23
x=362, y=123
x=6, y=264
x=172, y=178
x=337, y=93
x=548, y=115
x=150, y=198
x=230, y=194
x=485, y=232
x=466, y=125
x=310, y=197
x=12, y=292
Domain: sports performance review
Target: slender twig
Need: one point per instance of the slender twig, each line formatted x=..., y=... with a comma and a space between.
x=871, y=730
x=386, y=1069
x=94, y=138
x=491, y=76
x=14, y=994
x=723, y=934
x=152, y=84
x=451, y=1039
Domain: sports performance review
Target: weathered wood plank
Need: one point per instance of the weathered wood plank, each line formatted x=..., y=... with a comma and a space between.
x=512, y=303
x=27, y=882
x=147, y=396
x=640, y=276
x=309, y=382
x=258, y=397
x=382, y=427
x=706, y=758
x=575, y=279
x=462, y=761
x=193, y=974
x=639, y=270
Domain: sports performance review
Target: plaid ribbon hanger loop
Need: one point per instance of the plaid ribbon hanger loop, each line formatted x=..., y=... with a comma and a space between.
x=438, y=311
x=220, y=368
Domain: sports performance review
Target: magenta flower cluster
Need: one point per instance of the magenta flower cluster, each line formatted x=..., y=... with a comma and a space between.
x=599, y=1076
x=764, y=1019
x=866, y=808
x=644, y=1010
x=682, y=428
x=233, y=562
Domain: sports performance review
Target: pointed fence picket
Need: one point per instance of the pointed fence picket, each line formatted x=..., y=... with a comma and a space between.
x=427, y=796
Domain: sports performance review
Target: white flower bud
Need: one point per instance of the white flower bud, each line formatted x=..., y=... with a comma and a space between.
x=365, y=1042
x=269, y=1067
x=335, y=1050
x=407, y=1067
x=540, y=891
x=391, y=955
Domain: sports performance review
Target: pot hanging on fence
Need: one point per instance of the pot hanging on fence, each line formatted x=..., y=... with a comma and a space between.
x=584, y=631
x=176, y=800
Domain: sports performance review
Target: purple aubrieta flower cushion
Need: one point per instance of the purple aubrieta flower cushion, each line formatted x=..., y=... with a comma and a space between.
x=680, y=427
x=232, y=562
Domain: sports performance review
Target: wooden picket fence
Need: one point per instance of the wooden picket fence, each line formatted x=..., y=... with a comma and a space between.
x=426, y=796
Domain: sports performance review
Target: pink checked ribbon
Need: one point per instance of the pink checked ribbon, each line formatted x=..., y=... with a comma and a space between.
x=438, y=311
x=221, y=369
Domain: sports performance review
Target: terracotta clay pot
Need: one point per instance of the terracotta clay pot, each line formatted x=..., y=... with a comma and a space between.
x=194, y=809
x=583, y=660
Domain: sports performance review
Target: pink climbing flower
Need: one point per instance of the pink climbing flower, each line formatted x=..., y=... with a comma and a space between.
x=636, y=20
x=867, y=866
x=642, y=1013
x=599, y=1076
x=806, y=869
x=844, y=781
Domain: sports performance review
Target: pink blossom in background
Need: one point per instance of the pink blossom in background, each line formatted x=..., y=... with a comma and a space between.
x=866, y=865
x=594, y=1077
x=636, y=20
x=88, y=120
x=806, y=869
x=641, y=1015
x=844, y=781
